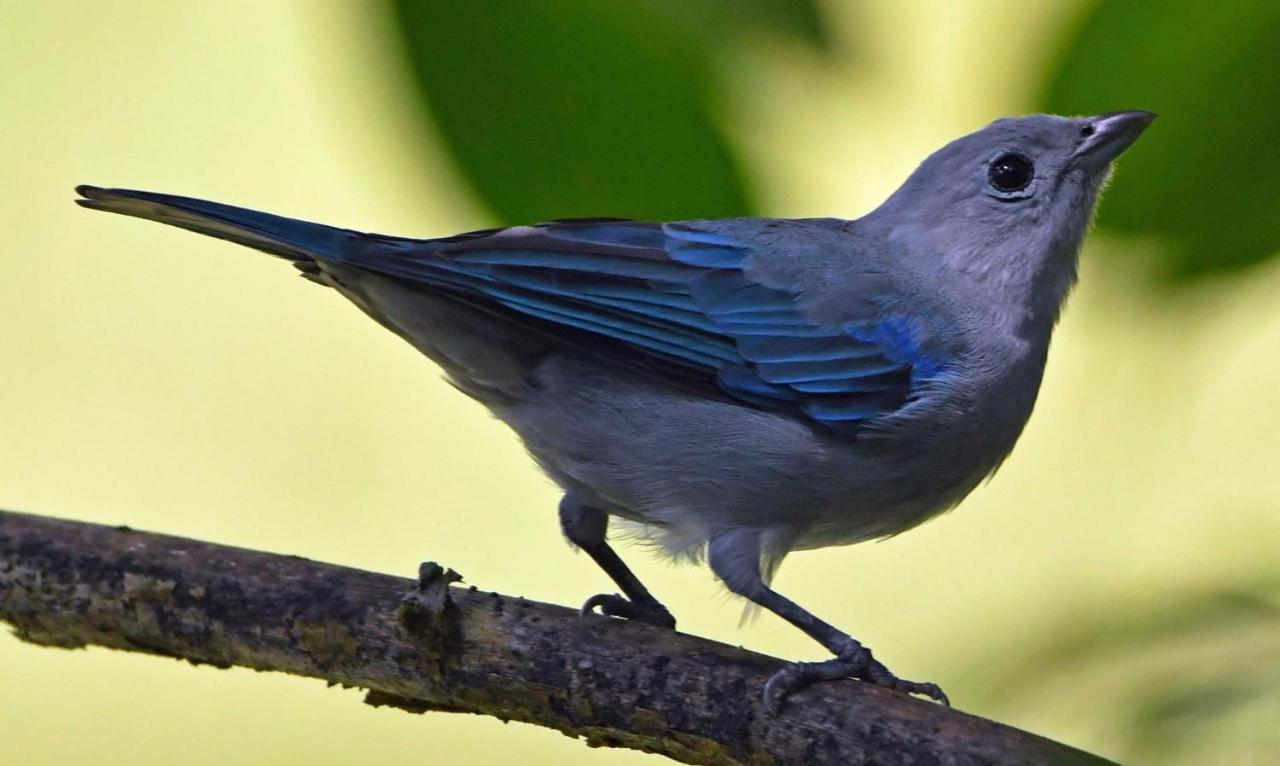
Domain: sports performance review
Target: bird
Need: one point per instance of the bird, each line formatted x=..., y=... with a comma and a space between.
x=732, y=390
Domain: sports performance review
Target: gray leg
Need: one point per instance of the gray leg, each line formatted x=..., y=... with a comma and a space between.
x=735, y=559
x=585, y=527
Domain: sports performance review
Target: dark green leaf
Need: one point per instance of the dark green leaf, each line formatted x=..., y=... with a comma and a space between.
x=799, y=18
x=560, y=108
x=723, y=21
x=1204, y=176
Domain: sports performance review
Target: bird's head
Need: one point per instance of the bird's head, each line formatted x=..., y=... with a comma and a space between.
x=1009, y=204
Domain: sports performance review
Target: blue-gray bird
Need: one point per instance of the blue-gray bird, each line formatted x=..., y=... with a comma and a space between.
x=742, y=388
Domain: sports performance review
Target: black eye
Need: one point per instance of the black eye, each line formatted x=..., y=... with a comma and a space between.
x=1010, y=172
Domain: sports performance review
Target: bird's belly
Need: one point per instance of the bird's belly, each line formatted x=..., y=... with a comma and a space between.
x=689, y=466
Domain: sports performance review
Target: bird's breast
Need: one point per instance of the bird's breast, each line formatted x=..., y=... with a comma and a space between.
x=932, y=454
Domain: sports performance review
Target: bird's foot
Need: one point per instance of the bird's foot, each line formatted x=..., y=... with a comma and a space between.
x=853, y=660
x=650, y=612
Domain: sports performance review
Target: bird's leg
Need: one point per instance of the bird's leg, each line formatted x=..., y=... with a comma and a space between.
x=735, y=558
x=585, y=528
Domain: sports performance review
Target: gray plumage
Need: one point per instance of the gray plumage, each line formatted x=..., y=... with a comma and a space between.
x=744, y=388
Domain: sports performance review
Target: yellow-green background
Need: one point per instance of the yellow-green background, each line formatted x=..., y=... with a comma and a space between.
x=1125, y=554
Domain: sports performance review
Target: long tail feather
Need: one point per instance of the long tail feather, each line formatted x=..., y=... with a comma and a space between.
x=279, y=236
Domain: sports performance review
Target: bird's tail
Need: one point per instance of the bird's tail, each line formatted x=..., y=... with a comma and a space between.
x=299, y=241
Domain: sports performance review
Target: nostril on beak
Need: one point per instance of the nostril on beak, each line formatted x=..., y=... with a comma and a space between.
x=1105, y=136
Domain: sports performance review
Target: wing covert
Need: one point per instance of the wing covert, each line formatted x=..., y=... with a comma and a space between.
x=684, y=294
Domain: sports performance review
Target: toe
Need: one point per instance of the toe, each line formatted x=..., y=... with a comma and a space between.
x=930, y=690
x=780, y=686
x=605, y=602
x=879, y=675
x=613, y=605
x=853, y=661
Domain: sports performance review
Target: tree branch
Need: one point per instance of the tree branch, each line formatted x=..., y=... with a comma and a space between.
x=431, y=646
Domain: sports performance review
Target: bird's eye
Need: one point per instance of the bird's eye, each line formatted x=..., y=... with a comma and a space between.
x=1010, y=172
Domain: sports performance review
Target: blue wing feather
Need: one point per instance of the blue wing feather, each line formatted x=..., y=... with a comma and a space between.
x=617, y=234
x=884, y=383
x=836, y=369
x=686, y=295
x=850, y=408
x=795, y=349
x=738, y=377
x=590, y=263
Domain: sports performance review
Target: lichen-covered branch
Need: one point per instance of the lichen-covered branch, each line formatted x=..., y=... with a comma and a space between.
x=431, y=645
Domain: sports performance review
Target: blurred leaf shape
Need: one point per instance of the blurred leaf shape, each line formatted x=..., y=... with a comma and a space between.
x=568, y=108
x=1204, y=177
x=719, y=21
x=1190, y=681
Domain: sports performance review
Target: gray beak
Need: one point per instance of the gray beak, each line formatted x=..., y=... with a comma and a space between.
x=1105, y=136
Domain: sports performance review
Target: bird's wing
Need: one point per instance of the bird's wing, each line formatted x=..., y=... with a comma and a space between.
x=708, y=297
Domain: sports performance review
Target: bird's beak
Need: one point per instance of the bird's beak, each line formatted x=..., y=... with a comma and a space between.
x=1111, y=134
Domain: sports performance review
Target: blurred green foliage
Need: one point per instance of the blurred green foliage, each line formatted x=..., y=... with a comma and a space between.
x=1182, y=679
x=1204, y=178
x=561, y=108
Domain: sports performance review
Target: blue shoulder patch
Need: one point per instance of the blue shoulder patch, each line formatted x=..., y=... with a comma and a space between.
x=899, y=340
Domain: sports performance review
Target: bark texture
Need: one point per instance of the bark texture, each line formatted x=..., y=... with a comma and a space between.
x=431, y=645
